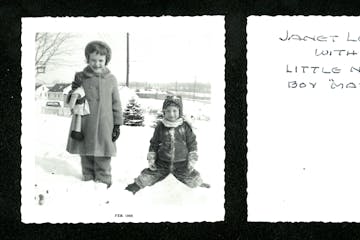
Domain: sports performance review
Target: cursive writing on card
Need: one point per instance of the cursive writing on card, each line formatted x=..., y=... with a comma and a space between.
x=323, y=49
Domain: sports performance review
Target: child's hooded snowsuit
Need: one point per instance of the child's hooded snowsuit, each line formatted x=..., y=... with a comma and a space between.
x=172, y=147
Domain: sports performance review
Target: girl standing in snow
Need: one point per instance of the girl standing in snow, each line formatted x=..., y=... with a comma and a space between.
x=100, y=128
x=173, y=149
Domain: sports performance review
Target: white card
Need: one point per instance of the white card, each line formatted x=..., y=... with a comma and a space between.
x=303, y=118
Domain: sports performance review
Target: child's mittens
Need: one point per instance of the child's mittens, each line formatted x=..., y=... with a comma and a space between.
x=115, y=133
x=192, y=158
x=151, y=156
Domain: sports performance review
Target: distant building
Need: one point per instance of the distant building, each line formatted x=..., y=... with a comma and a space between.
x=41, y=91
x=59, y=92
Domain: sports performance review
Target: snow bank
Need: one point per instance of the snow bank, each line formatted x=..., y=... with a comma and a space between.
x=56, y=178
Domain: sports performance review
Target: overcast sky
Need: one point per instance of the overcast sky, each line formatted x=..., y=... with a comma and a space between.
x=165, y=49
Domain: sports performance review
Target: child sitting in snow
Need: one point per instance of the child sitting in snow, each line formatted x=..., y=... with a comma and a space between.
x=100, y=128
x=173, y=149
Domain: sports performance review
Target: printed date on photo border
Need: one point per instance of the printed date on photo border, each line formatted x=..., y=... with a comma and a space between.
x=123, y=215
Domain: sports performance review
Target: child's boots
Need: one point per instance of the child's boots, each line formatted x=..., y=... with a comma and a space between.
x=134, y=188
x=205, y=185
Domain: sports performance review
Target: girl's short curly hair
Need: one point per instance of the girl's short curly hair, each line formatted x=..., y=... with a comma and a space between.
x=98, y=47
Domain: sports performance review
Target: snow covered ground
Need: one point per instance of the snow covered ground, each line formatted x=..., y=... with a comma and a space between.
x=56, y=175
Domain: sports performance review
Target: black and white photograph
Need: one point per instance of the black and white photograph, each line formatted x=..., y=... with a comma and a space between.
x=123, y=119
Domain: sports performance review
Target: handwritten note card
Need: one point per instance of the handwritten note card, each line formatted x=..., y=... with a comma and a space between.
x=303, y=118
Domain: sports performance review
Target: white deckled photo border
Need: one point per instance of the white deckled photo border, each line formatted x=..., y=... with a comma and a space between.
x=47, y=170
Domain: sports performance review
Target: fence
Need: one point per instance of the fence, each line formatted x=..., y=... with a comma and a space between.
x=184, y=95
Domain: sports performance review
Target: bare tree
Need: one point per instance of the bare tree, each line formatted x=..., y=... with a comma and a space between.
x=51, y=48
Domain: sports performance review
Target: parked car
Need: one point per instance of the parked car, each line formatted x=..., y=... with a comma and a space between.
x=53, y=104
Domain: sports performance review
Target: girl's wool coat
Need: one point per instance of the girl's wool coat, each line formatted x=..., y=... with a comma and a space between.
x=102, y=94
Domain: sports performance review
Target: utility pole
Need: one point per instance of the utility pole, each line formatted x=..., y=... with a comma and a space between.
x=127, y=59
x=194, y=88
x=176, y=87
